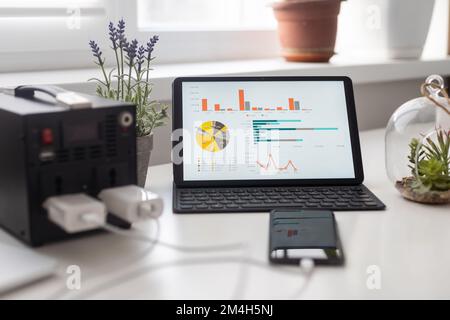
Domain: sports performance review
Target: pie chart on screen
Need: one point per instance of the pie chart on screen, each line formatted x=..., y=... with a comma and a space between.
x=212, y=136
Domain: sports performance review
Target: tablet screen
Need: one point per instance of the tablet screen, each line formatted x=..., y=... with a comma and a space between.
x=263, y=130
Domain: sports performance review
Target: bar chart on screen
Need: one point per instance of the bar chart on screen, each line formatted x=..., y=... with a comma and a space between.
x=282, y=130
x=241, y=104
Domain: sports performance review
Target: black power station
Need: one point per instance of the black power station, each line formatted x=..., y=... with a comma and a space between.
x=48, y=148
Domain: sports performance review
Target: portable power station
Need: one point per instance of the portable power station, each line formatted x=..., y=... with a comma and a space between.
x=51, y=148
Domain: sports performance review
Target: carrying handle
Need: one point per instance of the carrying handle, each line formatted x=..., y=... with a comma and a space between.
x=28, y=91
x=70, y=99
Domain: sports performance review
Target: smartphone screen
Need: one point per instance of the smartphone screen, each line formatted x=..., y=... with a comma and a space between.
x=304, y=234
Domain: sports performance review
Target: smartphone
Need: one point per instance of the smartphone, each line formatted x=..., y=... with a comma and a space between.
x=297, y=234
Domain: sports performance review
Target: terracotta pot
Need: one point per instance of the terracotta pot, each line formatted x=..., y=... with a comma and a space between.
x=144, y=147
x=307, y=28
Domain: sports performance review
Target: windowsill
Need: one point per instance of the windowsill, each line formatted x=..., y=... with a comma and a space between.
x=361, y=72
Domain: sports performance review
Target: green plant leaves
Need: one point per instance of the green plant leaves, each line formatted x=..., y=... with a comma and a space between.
x=430, y=162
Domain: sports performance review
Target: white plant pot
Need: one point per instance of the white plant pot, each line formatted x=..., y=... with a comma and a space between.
x=393, y=29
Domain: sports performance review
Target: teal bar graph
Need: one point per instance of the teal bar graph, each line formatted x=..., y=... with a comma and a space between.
x=263, y=128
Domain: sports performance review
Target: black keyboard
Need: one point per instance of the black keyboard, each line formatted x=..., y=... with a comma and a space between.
x=253, y=199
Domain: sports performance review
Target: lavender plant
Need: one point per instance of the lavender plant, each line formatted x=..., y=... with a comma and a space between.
x=132, y=73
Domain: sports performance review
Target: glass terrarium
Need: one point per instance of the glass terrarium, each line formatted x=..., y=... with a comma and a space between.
x=417, y=145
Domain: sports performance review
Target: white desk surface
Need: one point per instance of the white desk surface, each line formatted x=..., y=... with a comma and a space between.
x=409, y=242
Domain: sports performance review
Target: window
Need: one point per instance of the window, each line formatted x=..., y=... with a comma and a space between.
x=205, y=15
x=49, y=34
x=208, y=30
x=54, y=34
x=51, y=24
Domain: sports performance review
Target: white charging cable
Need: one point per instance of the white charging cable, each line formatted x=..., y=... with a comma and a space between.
x=306, y=265
x=141, y=237
x=129, y=276
x=80, y=212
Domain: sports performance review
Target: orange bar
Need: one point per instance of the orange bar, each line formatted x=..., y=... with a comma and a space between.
x=204, y=104
x=291, y=103
x=254, y=108
x=217, y=107
x=241, y=100
x=279, y=108
x=266, y=109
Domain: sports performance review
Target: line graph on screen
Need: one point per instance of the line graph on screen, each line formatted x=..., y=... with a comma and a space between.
x=271, y=164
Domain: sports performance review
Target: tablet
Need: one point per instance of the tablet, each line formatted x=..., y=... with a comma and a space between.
x=265, y=131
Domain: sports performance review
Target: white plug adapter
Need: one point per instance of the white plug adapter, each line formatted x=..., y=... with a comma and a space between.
x=70, y=212
x=132, y=203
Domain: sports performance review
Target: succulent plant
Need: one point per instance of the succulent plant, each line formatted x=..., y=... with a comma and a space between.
x=430, y=162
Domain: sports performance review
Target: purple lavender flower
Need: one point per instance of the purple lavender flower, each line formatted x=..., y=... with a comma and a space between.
x=113, y=35
x=121, y=26
x=96, y=51
x=123, y=42
x=150, y=46
x=121, y=34
x=131, y=50
x=140, y=57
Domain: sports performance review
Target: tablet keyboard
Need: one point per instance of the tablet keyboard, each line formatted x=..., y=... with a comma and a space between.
x=253, y=199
